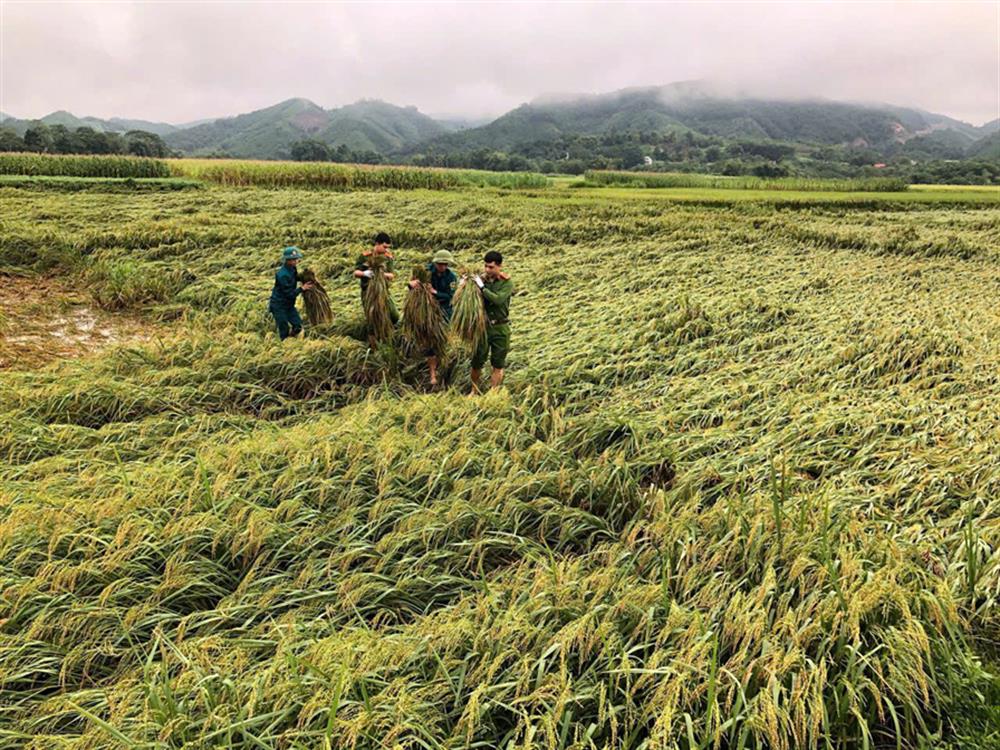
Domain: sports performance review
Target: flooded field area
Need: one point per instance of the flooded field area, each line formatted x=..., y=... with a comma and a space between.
x=43, y=320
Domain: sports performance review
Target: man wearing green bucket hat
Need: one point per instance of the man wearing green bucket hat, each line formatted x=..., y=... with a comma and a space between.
x=286, y=289
x=443, y=283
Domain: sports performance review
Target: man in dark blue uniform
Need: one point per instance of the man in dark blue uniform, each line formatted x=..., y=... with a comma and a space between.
x=286, y=289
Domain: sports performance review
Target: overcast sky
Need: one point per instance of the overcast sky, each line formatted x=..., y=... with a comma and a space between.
x=179, y=61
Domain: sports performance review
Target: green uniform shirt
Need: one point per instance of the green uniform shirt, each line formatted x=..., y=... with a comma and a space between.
x=496, y=296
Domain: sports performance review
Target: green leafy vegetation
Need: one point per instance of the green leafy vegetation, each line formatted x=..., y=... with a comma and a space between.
x=740, y=490
x=59, y=139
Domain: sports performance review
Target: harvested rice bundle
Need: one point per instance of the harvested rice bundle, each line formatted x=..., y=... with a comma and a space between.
x=377, y=302
x=424, y=328
x=317, y=301
x=468, y=320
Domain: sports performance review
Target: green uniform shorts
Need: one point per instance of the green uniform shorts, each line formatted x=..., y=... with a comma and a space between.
x=496, y=346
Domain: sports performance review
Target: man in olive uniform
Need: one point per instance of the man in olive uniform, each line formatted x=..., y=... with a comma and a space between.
x=363, y=269
x=443, y=283
x=497, y=289
x=284, y=293
x=363, y=272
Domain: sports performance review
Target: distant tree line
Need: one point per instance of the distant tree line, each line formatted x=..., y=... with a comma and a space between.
x=670, y=151
x=688, y=151
x=58, y=139
x=313, y=150
x=956, y=173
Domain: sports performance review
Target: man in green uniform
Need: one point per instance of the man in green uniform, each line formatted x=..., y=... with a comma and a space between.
x=284, y=294
x=497, y=289
x=363, y=271
x=443, y=283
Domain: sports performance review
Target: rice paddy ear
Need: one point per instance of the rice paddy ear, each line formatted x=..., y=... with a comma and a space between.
x=317, y=301
x=377, y=302
x=468, y=319
x=423, y=326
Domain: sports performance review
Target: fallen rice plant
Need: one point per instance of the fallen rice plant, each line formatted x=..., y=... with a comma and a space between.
x=317, y=301
x=740, y=489
x=468, y=320
x=377, y=303
x=423, y=325
x=675, y=180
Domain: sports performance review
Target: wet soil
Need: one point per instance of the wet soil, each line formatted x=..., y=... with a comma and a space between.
x=42, y=320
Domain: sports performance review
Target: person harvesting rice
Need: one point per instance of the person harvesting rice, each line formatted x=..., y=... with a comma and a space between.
x=442, y=282
x=496, y=289
x=363, y=268
x=377, y=259
x=286, y=289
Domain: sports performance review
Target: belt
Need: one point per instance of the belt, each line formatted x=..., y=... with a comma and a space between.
x=498, y=322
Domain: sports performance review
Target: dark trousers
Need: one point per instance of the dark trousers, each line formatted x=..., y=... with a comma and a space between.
x=288, y=321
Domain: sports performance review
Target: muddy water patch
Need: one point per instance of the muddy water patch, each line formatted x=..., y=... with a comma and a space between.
x=42, y=320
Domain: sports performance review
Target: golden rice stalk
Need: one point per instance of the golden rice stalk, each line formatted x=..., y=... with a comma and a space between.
x=376, y=302
x=317, y=301
x=468, y=319
x=424, y=328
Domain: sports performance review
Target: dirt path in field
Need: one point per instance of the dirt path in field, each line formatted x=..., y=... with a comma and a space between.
x=42, y=320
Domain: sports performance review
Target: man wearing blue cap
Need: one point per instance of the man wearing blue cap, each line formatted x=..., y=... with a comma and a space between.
x=285, y=291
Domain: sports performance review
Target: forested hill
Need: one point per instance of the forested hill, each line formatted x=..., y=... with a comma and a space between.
x=679, y=127
x=682, y=108
x=71, y=121
x=270, y=133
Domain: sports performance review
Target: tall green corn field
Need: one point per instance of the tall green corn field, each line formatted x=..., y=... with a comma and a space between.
x=345, y=177
x=82, y=166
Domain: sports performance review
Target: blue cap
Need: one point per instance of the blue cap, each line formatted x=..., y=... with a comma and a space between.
x=291, y=253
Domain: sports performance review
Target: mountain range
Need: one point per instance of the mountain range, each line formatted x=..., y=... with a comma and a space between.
x=387, y=129
x=679, y=107
x=71, y=121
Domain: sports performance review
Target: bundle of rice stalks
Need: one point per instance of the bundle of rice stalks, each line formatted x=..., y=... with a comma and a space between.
x=423, y=325
x=377, y=315
x=317, y=301
x=468, y=319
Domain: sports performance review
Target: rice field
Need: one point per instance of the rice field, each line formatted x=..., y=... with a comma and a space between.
x=688, y=180
x=99, y=184
x=741, y=488
x=716, y=182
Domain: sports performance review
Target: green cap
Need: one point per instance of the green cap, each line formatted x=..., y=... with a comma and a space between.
x=443, y=256
x=291, y=253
